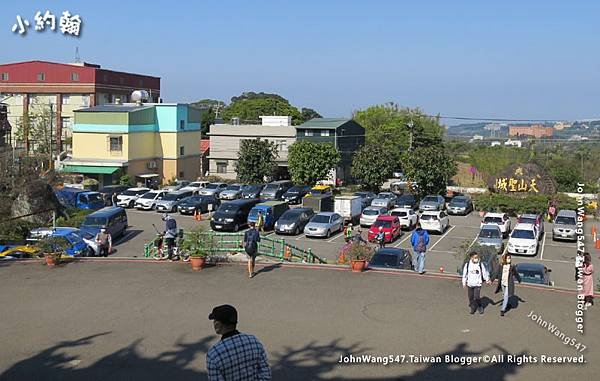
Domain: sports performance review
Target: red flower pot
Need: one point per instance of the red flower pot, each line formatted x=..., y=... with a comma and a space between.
x=51, y=260
x=197, y=263
x=358, y=266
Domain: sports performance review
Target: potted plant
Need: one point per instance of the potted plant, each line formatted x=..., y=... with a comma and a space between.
x=358, y=255
x=53, y=248
x=198, y=245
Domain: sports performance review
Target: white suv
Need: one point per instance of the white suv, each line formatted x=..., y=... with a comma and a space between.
x=523, y=240
x=500, y=219
x=128, y=197
x=408, y=217
x=434, y=220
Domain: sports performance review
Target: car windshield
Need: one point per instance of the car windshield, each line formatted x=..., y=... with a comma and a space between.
x=361, y=194
x=406, y=198
x=385, y=260
x=192, y=199
x=527, y=220
x=294, y=190
x=428, y=217
x=212, y=186
x=565, y=220
x=385, y=224
x=234, y=187
x=524, y=234
x=460, y=201
x=194, y=185
x=493, y=220
x=270, y=188
x=94, y=221
x=370, y=212
x=399, y=214
x=531, y=276
x=170, y=197
x=430, y=199
x=252, y=188
x=489, y=233
x=320, y=219
x=91, y=197
x=226, y=208
x=253, y=214
x=290, y=215
x=150, y=195
x=129, y=193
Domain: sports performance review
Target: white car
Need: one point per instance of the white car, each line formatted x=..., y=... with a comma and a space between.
x=370, y=214
x=500, y=219
x=523, y=240
x=195, y=186
x=148, y=200
x=434, y=220
x=408, y=218
x=127, y=199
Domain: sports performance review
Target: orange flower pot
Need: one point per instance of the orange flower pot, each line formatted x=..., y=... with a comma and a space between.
x=51, y=260
x=358, y=266
x=197, y=263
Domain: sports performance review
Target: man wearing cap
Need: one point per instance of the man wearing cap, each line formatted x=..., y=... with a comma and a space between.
x=104, y=241
x=237, y=356
x=250, y=243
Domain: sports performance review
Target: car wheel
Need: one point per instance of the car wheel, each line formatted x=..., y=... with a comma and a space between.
x=328, y=234
x=236, y=227
x=130, y=204
x=297, y=231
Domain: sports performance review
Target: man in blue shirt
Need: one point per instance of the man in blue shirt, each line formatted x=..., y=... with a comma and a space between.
x=419, y=241
x=250, y=243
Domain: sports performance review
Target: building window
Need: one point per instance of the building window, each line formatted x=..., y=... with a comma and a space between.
x=221, y=167
x=85, y=100
x=65, y=123
x=181, y=151
x=182, y=124
x=141, y=82
x=324, y=132
x=281, y=145
x=181, y=175
x=4, y=76
x=41, y=76
x=116, y=144
x=122, y=80
x=66, y=99
x=74, y=77
x=308, y=133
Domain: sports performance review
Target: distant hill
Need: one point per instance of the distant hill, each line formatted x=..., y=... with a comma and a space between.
x=467, y=130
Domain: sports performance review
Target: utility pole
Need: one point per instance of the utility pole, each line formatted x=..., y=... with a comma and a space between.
x=50, y=163
x=410, y=126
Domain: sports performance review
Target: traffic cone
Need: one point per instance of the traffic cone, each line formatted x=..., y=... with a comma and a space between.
x=199, y=215
x=287, y=253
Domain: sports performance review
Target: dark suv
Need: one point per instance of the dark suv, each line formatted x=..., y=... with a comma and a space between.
x=232, y=215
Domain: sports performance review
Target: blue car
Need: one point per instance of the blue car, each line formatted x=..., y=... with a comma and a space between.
x=76, y=246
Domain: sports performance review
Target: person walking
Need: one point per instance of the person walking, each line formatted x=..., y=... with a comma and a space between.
x=587, y=280
x=104, y=241
x=473, y=277
x=380, y=237
x=348, y=232
x=114, y=199
x=260, y=222
x=170, y=234
x=237, y=356
x=419, y=241
x=250, y=244
x=506, y=280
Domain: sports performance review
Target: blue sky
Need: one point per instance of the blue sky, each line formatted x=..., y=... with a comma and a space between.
x=510, y=59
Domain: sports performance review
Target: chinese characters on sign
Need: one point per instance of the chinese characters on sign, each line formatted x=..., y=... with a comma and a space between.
x=69, y=24
x=510, y=184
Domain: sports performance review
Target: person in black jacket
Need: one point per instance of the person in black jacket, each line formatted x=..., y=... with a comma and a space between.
x=506, y=280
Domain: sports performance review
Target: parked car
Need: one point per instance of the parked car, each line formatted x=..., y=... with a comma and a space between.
x=565, y=226
x=391, y=228
x=523, y=240
x=79, y=198
x=490, y=235
x=114, y=218
x=232, y=215
x=252, y=191
x=275, y=190
x=294, y=195
x=213, y=189
x=198, y=203
x=108, y=191
x=271, y=211
x=293, y=221
x=370, y=214
x=90, y=239
x=432, y=220
x=389, y=195
x=195, y=186
x=177, y=186
x=534, y=273
x=432, y=202
x=383, y=202
x=365, y=197
x=489, y=259
x=321, y=190
x=500, y=219
x=324, y=224
x=460, y=205
x=408, y=218
x=535, y=219
x=128, y=198
x=170, y=201
x=232, y=192
x=391, y=258
x=407, y=201
x=148, y=200
x=76, y=246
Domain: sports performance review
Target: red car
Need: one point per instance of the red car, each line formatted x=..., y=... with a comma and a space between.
x=391, y=228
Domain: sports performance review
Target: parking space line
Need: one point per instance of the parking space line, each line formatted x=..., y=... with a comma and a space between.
x=403, y=240
x=335, y=237
x=543, y=246
x=442, y=237
x=270, y=234
x=467, y=226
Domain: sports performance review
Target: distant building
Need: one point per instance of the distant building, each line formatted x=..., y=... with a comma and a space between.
x=495, y=143
x=225, y=143
x=536, y=131
x=514, y=143
x=561, y=125
x=477, y=137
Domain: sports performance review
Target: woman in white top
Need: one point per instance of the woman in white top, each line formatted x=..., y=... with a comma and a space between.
x=506, y=280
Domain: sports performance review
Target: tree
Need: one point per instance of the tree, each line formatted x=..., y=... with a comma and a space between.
x=309, y=113
x=250, y=110
x=372, y=165
x=37, y=127
x=430, y=168
x=310, y=162
x=210, y=107
x=256, y=160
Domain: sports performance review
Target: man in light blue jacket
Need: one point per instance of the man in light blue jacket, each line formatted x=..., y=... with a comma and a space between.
x=419, y=241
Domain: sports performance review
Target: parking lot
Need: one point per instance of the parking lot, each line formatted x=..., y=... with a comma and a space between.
x=442, y=251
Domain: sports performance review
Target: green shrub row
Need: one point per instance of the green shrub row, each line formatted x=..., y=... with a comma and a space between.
x=514, y=205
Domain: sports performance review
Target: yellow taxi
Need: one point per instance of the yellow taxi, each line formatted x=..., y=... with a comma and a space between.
x=320, y=190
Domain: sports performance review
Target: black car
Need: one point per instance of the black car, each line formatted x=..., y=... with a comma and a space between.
x=391, y=258
x=294, y=194
x=535, y=273
x=198, y=203
x=108, y=191
x=232, y=215
x=460, y=205
x=252, y=191
x=293, y=221
x=365, y=197
x=407, y=201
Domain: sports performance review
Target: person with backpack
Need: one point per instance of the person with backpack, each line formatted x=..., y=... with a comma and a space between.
x=419, y=241
x=170, y=234
x=104, y=241
x=250, y=244
x=473, y=276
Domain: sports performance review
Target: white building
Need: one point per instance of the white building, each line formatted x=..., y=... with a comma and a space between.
x=514, y=143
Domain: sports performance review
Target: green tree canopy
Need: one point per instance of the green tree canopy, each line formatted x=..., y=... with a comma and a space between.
x=256, y=160
x=309, y=113
x=430, y=167
x=210, y=107
x=372, y=165
x=310, y=162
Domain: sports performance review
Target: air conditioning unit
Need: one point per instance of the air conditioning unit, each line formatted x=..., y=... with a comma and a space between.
x=152, y=165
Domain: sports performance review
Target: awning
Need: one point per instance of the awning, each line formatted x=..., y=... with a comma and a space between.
x=89, y=169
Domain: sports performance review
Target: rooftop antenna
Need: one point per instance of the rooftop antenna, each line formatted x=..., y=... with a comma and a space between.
x=77, y=57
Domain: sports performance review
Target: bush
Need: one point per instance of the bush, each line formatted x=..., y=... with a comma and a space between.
x=514, y=205
x=125, y=180
x=76, y=217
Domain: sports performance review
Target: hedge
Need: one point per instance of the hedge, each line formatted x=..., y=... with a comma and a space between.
x=76, y=217
x=514, y=205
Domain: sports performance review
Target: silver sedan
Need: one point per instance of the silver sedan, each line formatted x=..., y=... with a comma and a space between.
x=324, y=224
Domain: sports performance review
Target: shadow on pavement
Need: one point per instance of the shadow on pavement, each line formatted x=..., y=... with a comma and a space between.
x=128, y=236
x=310, y=362
x=268, y=268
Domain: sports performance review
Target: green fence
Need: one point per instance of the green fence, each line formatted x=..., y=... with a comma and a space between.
x=269, y=247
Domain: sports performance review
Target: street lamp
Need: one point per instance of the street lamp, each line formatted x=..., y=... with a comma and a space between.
x=410, y=126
